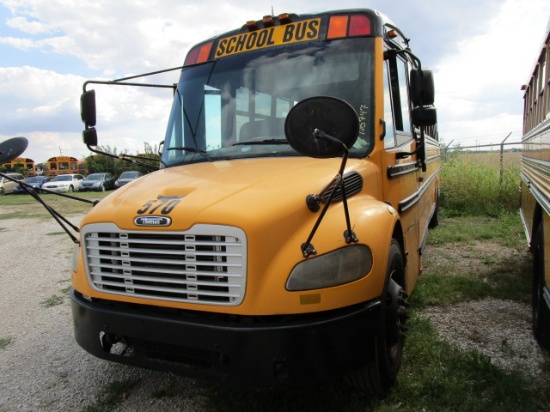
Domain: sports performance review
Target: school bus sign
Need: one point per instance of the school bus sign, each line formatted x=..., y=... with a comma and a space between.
x=272, y=36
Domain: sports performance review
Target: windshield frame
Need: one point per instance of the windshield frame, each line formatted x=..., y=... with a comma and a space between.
x=187, y=139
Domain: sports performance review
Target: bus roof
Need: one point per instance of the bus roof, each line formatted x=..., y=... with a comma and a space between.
x=288, y=28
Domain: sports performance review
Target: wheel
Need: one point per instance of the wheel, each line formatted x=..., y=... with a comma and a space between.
x=379, y=375
x=102, y=188
x=71, y=189
x=2, y=192
x=540, y=310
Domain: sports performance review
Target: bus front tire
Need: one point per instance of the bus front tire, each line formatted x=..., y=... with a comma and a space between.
x=540, y=310
x=379, y=375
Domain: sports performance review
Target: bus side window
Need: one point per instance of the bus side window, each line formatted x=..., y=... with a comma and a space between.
x=398, y=84
x=389, y=138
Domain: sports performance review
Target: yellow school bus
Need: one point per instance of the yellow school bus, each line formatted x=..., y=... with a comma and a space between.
x=280, y=240
x=60, y=165
x=23, y=165
x=535, y=187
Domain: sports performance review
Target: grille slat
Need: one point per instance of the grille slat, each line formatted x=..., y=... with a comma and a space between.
x=136, y=278
x=159, y=251
x=137, y=260
x=164, y=270
x=206, y=264
x=161, y=289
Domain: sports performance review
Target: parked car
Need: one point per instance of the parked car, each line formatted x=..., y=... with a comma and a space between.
x=127, y=177
x=36, y=182
x=7, y=185
x=98, y=182
x=64, y=183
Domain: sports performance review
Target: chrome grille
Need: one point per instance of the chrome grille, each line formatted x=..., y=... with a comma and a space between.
x=206, y=264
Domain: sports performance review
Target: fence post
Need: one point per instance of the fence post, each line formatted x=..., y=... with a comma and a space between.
x=502, y=157
x=445, y=149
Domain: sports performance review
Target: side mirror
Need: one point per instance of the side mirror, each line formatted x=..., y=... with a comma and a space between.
x=422, y=87
x=424, y=116
x=87, y=108
x=89, y=136
x=327, y=115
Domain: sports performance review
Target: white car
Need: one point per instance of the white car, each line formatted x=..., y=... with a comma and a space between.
x=7, y=185
x=64, y=183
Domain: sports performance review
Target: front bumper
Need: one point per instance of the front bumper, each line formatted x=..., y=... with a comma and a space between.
x=231, y=350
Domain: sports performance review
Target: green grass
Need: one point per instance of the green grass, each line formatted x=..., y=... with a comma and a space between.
x=5, y=342
x=506, y=229
x=26, y=207
x=437, y=376
x=52, y=301
x=111, y=396
x=472, y=185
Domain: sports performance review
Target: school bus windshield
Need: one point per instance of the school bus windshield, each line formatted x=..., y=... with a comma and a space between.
x=235, y=107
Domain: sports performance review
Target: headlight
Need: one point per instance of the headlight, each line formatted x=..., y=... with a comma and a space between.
x=335, y=268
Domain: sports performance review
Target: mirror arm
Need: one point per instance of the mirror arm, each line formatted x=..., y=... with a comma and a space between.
x=60, y=219
x=124, y=157
x=307, y=247
x=419, y=150
x=391, y=53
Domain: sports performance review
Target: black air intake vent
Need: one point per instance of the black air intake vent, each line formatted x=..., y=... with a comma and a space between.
x=353, y=183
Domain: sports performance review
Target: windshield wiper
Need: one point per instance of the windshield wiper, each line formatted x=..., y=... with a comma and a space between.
x=260, y=142
x=194, y=150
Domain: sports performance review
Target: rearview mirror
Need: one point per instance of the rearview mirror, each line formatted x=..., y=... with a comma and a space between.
x=422, y=87
x=327, y=115
x=87, y=108
x=424, y=116
x=89, y=136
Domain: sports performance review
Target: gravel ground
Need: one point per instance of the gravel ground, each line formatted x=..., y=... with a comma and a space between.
x=499, y=329
x=43, y=369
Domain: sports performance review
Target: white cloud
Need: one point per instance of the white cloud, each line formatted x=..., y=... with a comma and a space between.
x=478, y=86
x=44, y=106
x=26, y=26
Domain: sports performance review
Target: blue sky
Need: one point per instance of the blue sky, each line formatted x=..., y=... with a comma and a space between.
x=481, y=54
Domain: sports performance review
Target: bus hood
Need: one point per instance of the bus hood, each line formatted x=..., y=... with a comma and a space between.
x=237, y=193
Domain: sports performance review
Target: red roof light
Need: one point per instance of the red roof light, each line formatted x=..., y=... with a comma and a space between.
x=348, y=26
x=359, y=26
x=199, y=54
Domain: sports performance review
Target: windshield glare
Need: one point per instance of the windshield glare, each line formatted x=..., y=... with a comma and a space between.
x=236, y=107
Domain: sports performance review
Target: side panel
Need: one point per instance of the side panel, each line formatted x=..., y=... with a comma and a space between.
x=409, y=189
x=535, y=213
x=535, y=185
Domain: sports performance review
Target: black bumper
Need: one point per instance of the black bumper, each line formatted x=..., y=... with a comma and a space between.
x=231, y=350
